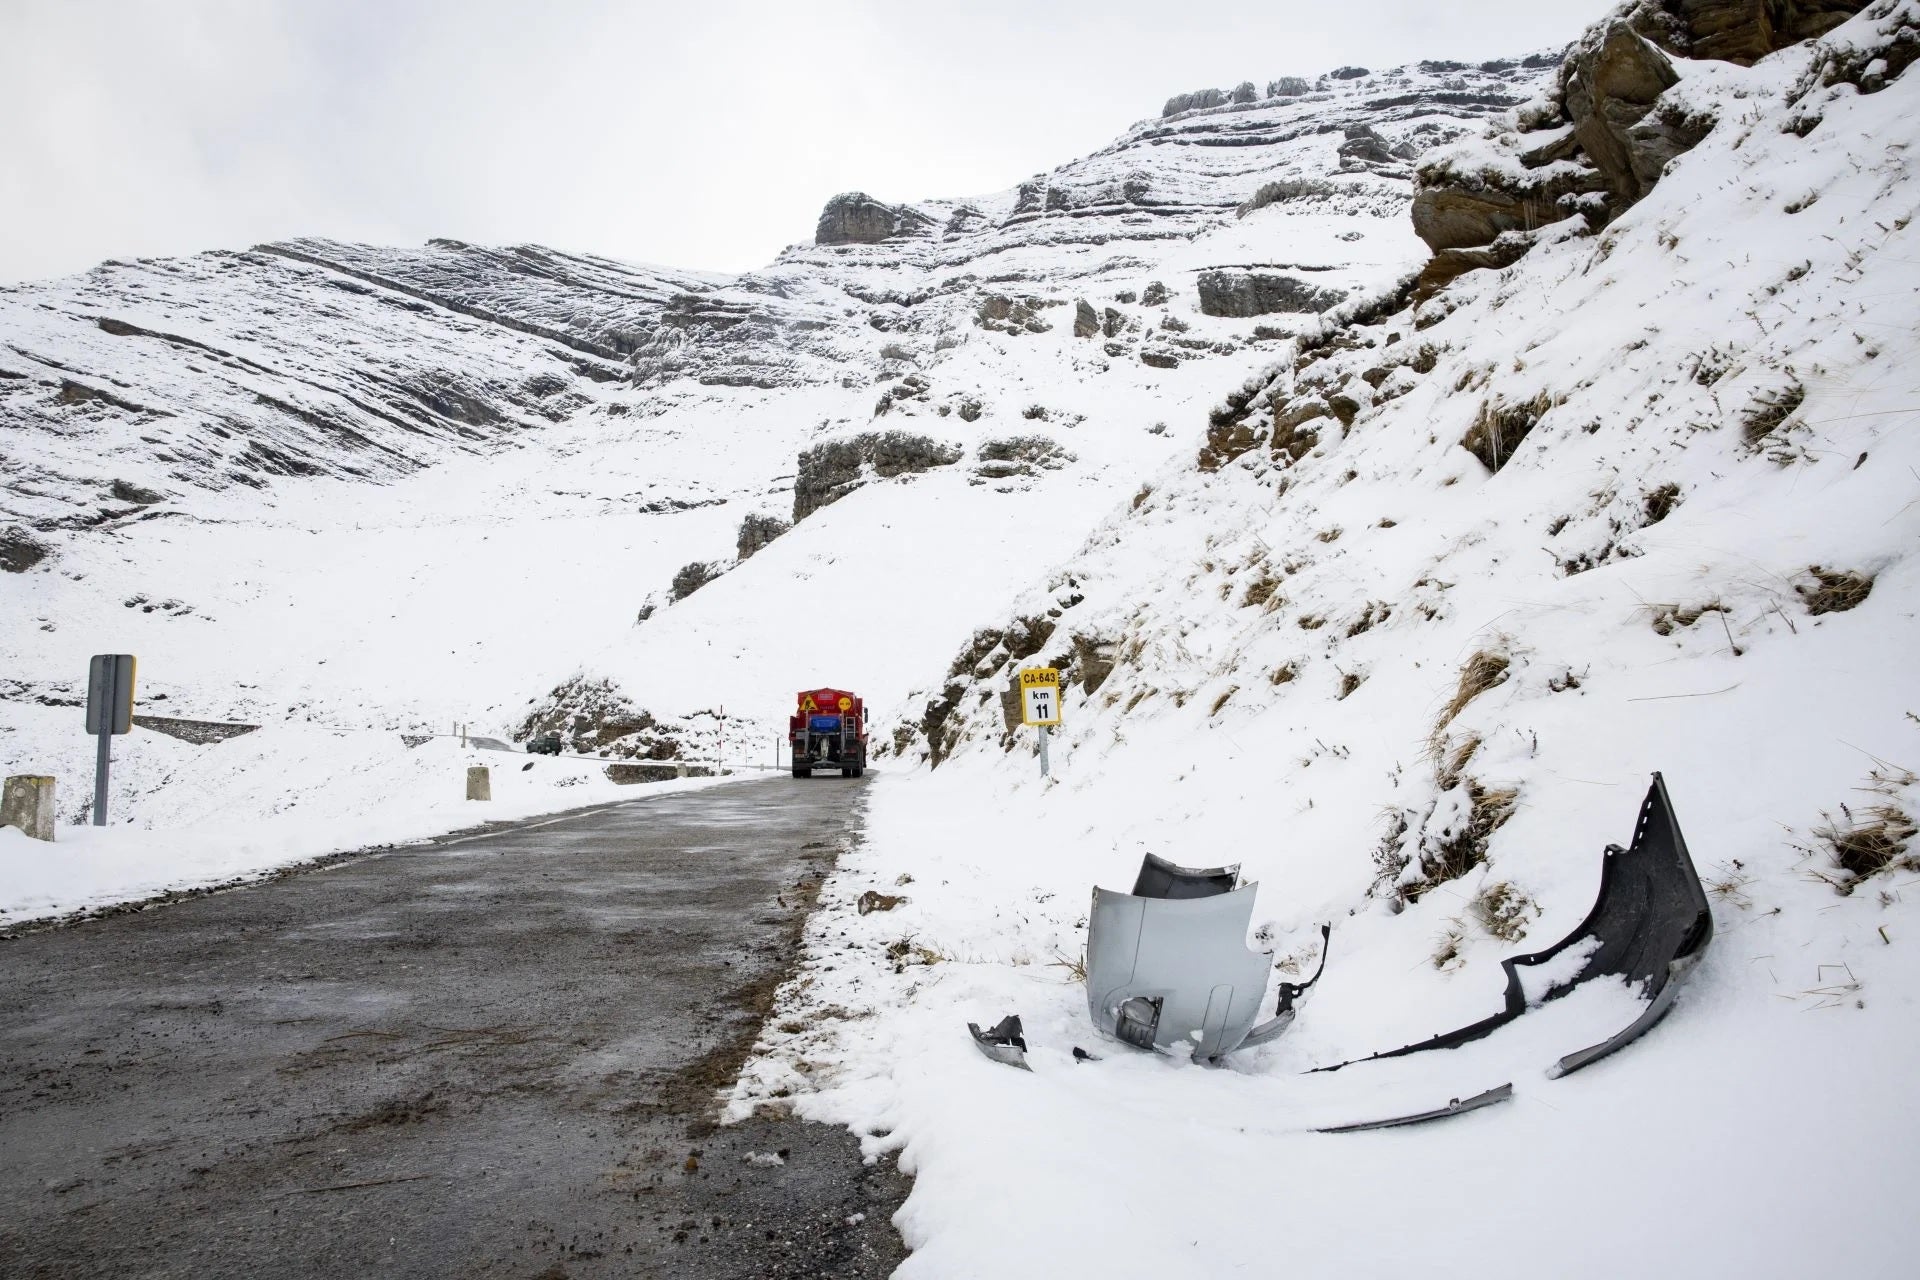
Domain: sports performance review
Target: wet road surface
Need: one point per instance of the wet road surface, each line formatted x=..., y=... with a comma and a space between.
x=492, y=1055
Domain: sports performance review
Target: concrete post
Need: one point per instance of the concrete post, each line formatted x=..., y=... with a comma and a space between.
x=479, y=783
x=27, y=803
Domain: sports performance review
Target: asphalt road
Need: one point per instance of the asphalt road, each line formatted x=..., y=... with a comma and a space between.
x=489, y=1056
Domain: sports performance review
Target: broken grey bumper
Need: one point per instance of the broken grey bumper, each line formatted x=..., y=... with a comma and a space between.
x=1168, y=966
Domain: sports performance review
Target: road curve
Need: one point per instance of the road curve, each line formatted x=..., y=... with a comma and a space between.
x=489, y=1055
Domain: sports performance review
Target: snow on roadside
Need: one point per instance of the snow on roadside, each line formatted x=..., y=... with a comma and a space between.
x=256, y=804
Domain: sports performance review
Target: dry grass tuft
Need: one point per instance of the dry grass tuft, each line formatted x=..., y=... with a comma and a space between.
x=1503, y=910
x=1447, y=947
x=1660, y=502
x=1499, y=428
x=1667, y=618
x=1390, y=858
x=1260, y=590
x=1483, y=671
x=1376, y=611
x=1834, y=590
x=1869, y=844
x=1729, y=884
x=1764, y=416
x=1221, y=701
x=1349, y=681
x=1452, y=764
x=905, y=952
x=1076, y=968
x=1466, y=848
x=1286, y=674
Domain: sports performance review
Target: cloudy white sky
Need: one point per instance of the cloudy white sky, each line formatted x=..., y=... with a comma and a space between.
x=700, y=135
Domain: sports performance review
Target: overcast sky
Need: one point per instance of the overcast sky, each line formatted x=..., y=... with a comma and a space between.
x=697, y=135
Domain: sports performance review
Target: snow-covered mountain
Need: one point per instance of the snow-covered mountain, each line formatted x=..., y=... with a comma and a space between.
x=422, y=486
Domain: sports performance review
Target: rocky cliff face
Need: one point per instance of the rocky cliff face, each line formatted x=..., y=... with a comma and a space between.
x=857, y=218
x=1598, y=140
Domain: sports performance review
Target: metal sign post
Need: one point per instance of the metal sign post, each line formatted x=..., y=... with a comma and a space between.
x=109, y=712
x=1040, y=705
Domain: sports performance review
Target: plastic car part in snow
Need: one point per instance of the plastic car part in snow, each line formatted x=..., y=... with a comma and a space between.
x=1649, y=925
x=1454, y=1107
x=1159, y=878
x=1005, y=1041
x=1173, y=972
x=1286, y=1007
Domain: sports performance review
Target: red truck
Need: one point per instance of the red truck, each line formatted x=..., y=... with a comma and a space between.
x=828, y=729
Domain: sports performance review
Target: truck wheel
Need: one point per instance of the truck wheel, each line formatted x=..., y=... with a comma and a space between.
x=802, y=771
x=846, y=771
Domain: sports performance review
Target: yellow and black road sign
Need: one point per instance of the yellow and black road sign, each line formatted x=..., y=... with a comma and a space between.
x=1040, y=696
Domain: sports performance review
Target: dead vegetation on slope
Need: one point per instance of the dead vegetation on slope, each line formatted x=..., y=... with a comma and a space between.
x=1867, y=843
x=1834, y=590
x=1499, y=428
x=1483, y=671
x=1857, y=844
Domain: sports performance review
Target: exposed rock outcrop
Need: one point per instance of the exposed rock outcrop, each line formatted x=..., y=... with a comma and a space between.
x=830, y=471
x=592, y=716
x=1366, y=151
x=1194, y=101
x=692, y=577
x=1600, y=141
x=756, y=531
x=1086, y=321
x=1011, y=315
x=1609, y=85
x=1230, y=292
x=1020, y=456
x=854, y=217
x=20, y=550
x=1739, y=31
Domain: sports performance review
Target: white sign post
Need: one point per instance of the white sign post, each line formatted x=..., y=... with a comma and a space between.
x=1040, y=704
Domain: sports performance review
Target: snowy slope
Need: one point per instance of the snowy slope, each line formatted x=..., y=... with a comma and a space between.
x=317, y=483
x=1405, y=636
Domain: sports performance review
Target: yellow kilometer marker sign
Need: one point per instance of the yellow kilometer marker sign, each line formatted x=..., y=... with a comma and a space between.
x=1040, y=696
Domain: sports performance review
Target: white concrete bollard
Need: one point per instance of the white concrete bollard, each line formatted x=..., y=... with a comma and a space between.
x=27, y=803
x=479, y=783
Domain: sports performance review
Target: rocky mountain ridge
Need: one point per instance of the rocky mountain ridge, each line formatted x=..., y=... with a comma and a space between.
x=318, y=358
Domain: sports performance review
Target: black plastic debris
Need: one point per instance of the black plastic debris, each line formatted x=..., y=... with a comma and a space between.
x=1005, y=1041
x=1159, y=878
x=1649, y=925
x=1454, y=1107
x=1286, y=1005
